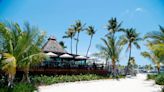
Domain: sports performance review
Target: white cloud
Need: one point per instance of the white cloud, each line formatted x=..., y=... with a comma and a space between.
x=138, y=9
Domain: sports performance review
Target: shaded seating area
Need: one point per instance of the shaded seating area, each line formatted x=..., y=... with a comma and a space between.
x=59, y=61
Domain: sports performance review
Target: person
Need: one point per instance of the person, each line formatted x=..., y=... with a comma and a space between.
x=94, y=65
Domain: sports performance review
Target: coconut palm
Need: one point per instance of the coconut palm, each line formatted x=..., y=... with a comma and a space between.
x=113, y=26
x=153, y=57
x=130, y=38
x=8, y=60
x=70, y=34
x=157, y=42
x=24, y=45
x=156, y=37
x=111, y=50
x=90, y=31
x=9, y=66
x=78, y=27
x=62, y=44
x=33, y=53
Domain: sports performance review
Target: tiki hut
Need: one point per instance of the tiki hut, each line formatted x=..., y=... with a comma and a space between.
x=59, y=61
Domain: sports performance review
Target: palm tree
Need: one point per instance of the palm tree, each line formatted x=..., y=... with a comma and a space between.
x=130, y=38
x=156, y=47
x=90, y=31
x=62, y=44
x=78, y=27
x=157, y=42
x=113, y=26
x=24, y=45
x=33, y=55
x=153, y=57
x=9, y=66
x=156, y=36
x=70, y=34
x=8, y=61
x=111, y=50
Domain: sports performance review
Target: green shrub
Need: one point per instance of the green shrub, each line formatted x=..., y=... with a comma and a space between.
x=23, y=87
x=43, y=79
x=151, y=76
x=3, y=89
x=19, y=87
x=162, y=90
x=160, y=79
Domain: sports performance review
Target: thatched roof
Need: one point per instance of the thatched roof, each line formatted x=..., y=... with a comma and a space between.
x=53, y=46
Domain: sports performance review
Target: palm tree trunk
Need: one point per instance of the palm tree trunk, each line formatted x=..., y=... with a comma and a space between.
x=26, y=76
x=106, y=64
x=71, y=45
x=77, y=41
x=10, y=80
x=113, y=67
x=127, y=70
x=89, y=45
x=130, y=53
x=158, y=69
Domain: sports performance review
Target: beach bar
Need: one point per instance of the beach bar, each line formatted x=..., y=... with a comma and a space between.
x=59, y=61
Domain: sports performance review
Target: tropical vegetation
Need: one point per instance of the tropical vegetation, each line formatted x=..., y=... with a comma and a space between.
x=70, y=34
x=112, y=46
x=159, y=78
x=21, y=49
x=78, y=27
x=90, y=31
x=130, y=37
x=155, y=44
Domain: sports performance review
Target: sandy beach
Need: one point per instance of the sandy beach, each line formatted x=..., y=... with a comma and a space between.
x=133, y=84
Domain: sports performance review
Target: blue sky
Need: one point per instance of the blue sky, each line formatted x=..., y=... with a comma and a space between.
x=55, y=16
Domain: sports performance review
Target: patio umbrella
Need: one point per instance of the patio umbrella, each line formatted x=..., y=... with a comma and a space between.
x=66, y=56
x=80, y=57
x=51, y=54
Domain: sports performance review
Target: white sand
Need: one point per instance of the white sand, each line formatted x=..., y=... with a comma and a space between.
x=134, y=84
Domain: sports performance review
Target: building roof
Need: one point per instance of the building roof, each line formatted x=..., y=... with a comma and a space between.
x=53, y=46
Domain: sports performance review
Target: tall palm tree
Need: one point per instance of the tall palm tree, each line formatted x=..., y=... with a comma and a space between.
x=78, y=27
x=70, y=34
x=90, y=31
x=113, y=26
x=111, y=50
x=130, y=38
